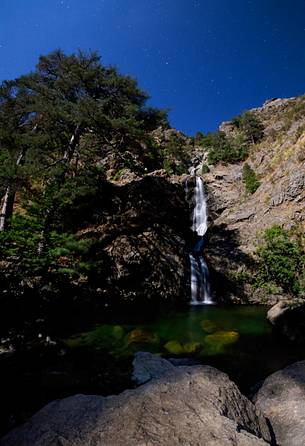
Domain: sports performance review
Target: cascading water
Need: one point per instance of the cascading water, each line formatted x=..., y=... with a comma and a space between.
x=200, y=284
x=200, y=215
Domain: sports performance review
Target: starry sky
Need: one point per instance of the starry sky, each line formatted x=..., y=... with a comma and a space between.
x=205, y=60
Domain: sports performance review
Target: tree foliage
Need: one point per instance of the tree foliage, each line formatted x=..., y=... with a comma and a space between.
x=175, y=155
x=250, y=125
x=233, y=147
x=222, y=148
x=282, y=259
x=56, y=124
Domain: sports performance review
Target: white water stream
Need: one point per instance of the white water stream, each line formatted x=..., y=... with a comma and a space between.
x=200, y=284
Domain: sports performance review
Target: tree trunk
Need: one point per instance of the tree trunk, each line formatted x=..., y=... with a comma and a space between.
x=7, y=208
x=68, y=155
x=74, y=140
x=8, y=200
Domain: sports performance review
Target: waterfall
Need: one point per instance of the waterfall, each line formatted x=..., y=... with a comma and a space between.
x=200, y=215
x=200, y=283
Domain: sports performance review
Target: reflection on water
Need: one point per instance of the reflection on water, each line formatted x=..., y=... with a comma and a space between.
x=237, y=339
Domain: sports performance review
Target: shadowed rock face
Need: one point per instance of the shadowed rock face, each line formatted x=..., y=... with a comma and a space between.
x=141, y=240
x=282, y=399
x=184, y=406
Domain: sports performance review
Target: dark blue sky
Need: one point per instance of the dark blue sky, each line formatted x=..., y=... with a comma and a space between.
x=206, y=60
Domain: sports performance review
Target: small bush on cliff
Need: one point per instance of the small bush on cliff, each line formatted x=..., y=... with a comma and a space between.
x=225, y=149
x=235, y=147
x=251, y=126
x=249, y=178
x=282, y=259
x=294, y=113
x=205, y=169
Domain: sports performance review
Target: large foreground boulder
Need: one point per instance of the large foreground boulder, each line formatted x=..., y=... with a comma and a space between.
x=185, y=406
x=282, y=400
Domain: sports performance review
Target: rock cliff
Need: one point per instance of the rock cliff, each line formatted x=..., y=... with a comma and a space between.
x=140, y=223
x=145, y=232
x=239, y=218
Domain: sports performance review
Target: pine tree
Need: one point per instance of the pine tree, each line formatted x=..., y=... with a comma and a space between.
x=54, y=126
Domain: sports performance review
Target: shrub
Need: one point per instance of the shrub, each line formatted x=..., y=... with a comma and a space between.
x=235, y=147
x=225, y=149
x=249, y=178
x=251, y=126
x=205, y=169
x=282, y=260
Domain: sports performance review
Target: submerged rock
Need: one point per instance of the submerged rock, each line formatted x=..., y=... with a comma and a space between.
x=282, y=400
x=118, y=332
x=208, y=326
x=184, y=406
x=218, y=340
x=191, y=347
x=174, y=347
x=139, y=336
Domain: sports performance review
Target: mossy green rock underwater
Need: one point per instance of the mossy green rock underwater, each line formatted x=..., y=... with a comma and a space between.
x=217, y=341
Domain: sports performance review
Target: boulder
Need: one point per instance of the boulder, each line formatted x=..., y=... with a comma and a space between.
x=282, y=400
x=277, y=311
x=288, y=320
x=184, y=406
x=147, y=366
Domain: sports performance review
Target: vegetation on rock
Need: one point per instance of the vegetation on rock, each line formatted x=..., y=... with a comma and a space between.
x=282, y=258
x=250, y=180
x=250, y=126
x=222, y=147
x=176, y=155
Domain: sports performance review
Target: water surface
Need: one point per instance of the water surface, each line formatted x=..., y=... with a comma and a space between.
x=238, y=340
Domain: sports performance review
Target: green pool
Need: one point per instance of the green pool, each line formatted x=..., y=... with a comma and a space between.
x=237, y=340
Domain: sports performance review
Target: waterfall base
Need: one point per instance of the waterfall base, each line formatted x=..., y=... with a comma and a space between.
x=200, y=284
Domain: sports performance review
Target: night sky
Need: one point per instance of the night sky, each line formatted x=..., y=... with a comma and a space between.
x=205, y=60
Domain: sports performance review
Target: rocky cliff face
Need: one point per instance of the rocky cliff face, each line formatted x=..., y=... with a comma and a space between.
x=141, y=240
x=145, y=236
x=239, y=218
x=141, y=224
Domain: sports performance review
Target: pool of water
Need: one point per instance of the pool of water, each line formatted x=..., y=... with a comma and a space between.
x=238, y=340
